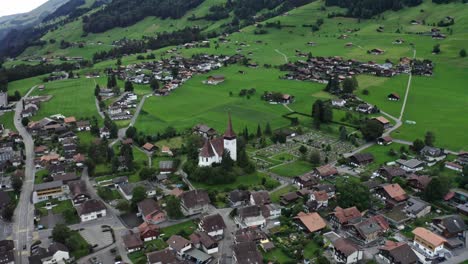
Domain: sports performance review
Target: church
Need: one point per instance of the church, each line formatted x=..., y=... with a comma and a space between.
x=213, y=149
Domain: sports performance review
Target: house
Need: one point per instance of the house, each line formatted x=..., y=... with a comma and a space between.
x=361, y=159
x=213, y=149
x=194, y=202
x=432, y=154
x=213, y=225
x=328, y=188
x=271, y=211
x=40, y=150
x=338, y=102
x=419, y=182
x=246, y=253
x=383, y=121
x=306, y=181
x=321, y=197
x=83, y=125
x=345, y=251
x=126, y=190
x=289, y=198
x=7, y=252
x=369, y=230
x=132, y=242
x=150, y=211
x=393, y=97
x=67, y=135
x=453, y=166
x=311, y=222
x=204, y=130
x=341, y=217
x=384, y=141
x=397, y=253
x=427, y=243
x=179, y=244
x=165, y=256
x=365, y=108
x=390, y=172
x=250, y=216
x=71, y=120
x=326, y=171
x=91, y=210
x=215, y=79
x=450, y=226
x=148, y=232
x=204, y=242
x=49, y=190
x=462, y=158
x=249, y=235
x=260, y=198
x=78, y=192
x=411, y=165
x=149, y=147
x=104, y=132
x=119, y=180
x=416, y=208
x=392, y=194
x=166, y=150
x=166, y=167
x=56, y=253
x=238, y=198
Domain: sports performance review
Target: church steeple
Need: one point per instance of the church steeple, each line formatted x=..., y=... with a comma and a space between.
x=229, y=134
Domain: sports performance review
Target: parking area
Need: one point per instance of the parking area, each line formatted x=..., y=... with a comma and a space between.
x=95, y=235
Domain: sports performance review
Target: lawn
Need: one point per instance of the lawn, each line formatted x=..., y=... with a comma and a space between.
x=86, y=138
x=250, y=181
x=293, y=169
x=74, y=97
x=382, y=154
x=7, y=119
x=276, y=195
x=278, y=256
x=81, y=247
x=40, y=174
x=172, y=143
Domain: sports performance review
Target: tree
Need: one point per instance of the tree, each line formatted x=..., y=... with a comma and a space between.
x=436, y=49
x=17, y=184
x=418, y=144
x=138, y=194
x=175, y=72
x=429, y=138
x=146, y=173
x=154, y=84
x=314, y=158
x=119, y=62
x=129, y=86
x=371, y=130
x=97, y=90
x=462, y=53
x=352, y=193
x=259, y=131
x=123, y=206
x=25, y=121
x=303, y=150
x=327, y=113
x=348, y=86
x=173, y=208
x=226, y=162
x=437, y=188
x=343, y=133
x=131, y=132
x=17, y=95
x=8, y=212
x=267, y=129
x=61, y=233
x=317, y=113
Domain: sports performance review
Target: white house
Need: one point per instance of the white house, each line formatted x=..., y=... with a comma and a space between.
x=49, y=190
x=91, y=210
x=213, y=225
x=338, y=102
x=427, y=243
x=250, y=216
x=345, y=251
x=213, y=149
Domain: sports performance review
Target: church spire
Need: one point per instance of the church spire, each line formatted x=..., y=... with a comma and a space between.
x=229, y=134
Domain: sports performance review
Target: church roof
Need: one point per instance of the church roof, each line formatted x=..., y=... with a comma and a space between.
x=229, y=131
x=212, y=147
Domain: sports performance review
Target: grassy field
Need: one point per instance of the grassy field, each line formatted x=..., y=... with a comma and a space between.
x=7, y=119
x=74, y=97
x=250, y=181
x=382, y=154
x=276, y=195
x=293, y=169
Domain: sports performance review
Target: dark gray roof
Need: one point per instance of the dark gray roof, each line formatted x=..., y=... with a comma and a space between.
x=48, y=185
x=247, y=253
x=90, y=206
x=416, y=205
x=249, y=211
x=195, y=198
x=239, y=196
x=212, y=223
x=453, y=223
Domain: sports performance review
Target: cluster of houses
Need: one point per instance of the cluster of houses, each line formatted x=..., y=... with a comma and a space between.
x=120, y=109
x=277, y=98
x=351, y=102
x=32, y=104
x=321, y=69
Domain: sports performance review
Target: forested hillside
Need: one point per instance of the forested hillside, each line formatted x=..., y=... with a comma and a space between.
x=369, y=8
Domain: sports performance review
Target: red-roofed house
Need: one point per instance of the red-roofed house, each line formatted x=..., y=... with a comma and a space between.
x=341, y=217
x=393, y=194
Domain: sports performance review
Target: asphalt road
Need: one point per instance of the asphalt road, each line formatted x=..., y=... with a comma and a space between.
x=24, y=214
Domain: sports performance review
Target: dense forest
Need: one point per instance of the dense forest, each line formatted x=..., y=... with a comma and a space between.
x=64, y=10
x=123, y=13
x=369, y=8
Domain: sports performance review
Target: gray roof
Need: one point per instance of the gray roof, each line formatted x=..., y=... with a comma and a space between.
x=167, y=164
x=199, y=255
x=48, y=185
x=412, y=163
x=453, y=223
x=416, y=205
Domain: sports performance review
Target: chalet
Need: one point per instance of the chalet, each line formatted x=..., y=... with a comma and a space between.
x=419, y=182
x=346, y=251
x=338, y=102
x=450, y=226
x=148, y=232
x=453, y=166
x=376, y=51
x=103, y=92
x=328, y=188
x=78, y=192
x=259, y=198
x=49, y=190
x=341, y=217
x=215, y=79
x=246, y=253
x=249, y=235
x=83, y=125
x=67, y=135
x=149, y=147
x=250, y=216
x=321, y=197
x=238, y=198
x=289, y=198
x=166, y=167
x=398, y=253
x=194, y=202
x=165, y=256
x=205, y=242
x=179, y=244
x=384, y=141
x=390, y=172
x=150, y=211
x=457, y=196
x=368, y=230
x=311, y=222
x=91, y=210
x=166, y=150
x=271, y=211
x=432, y=154
x=411, y=165
x=104, y=133
x=326, y=171
x=71, y=120
x=462, y=158
x=392, y=194
x=393, y=97
x=383, y=121
x=306, y=181
x=361, y=159
x=416, y=208
x=40, y=150
x=55, y=253
x=365, y=108
x=427, y=243
x=132, y=242
x=204, y=130
x=213, y=225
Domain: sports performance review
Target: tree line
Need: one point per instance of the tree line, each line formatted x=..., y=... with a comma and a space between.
x=369, y=8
